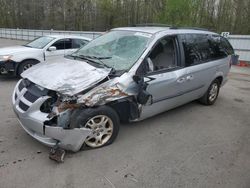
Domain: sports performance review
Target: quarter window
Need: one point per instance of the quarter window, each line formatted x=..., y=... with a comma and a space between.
x=222, y=47
x=227, y=46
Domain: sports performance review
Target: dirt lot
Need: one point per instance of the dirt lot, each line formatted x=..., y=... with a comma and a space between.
x=191, y=146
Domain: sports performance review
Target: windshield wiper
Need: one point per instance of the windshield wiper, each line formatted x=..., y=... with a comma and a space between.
x=90, y=58
x=113, y=71
x=108, y=57
x=82, y=57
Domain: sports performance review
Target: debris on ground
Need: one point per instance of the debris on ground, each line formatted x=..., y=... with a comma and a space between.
x=112, y=185
x=57, y=154
x=131, y=177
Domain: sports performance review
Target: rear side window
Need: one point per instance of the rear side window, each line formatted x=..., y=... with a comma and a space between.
x=228, y=47
x=63, y=44
x=222, y=47
x=196, y=48
x=78, y=43
x=200, y=48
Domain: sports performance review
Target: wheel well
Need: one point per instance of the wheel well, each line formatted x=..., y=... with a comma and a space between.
x=220, y=78
x=126, y=109
x=30, y=60
x=18, y=65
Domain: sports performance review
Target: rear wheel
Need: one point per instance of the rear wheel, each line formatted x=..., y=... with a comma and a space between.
x=103, y=121
x=25, y=66
x=212, y=93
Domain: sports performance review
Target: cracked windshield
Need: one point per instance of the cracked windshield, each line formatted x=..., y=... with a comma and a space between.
x=117, y=49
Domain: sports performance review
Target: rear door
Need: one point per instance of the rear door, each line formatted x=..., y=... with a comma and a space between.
x=205, y=60
x=199, y=63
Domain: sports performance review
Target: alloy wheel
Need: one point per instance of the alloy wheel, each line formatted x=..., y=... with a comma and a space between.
x=27, y=66
x=102, y=129
x=213, y=92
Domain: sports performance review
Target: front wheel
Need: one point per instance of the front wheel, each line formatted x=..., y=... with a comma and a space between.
x=212, y=93
x=25, y=66
x=103, y=121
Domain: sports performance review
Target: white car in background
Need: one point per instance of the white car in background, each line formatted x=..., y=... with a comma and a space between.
x=14, y=60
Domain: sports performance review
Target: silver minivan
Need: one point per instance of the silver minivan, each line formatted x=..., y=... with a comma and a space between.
x=126, y=75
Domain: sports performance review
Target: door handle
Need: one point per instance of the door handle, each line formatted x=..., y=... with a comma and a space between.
x=181, y=80
x=190, y=77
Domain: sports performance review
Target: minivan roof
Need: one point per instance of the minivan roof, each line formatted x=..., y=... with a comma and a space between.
x=170, y=30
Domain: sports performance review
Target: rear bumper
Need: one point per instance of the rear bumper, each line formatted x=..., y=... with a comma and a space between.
x=33, y=122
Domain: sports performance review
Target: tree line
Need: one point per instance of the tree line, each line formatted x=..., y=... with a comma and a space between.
x=101, y=15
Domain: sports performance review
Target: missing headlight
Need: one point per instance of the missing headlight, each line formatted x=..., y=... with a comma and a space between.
x=47, y=106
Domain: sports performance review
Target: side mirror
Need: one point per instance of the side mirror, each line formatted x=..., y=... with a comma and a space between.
x=143, y=97
x=52, y=49
x=137, y=78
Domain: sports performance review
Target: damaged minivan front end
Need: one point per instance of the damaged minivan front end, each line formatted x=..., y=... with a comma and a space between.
x=45, y=106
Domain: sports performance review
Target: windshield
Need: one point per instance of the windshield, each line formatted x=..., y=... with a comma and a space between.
x=40, y=42
x=116, y=49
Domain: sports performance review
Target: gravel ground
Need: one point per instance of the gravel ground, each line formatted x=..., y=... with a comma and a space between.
x=190, y=146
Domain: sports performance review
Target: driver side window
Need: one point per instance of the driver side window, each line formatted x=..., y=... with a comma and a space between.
x=63, y=44
x=163, y=55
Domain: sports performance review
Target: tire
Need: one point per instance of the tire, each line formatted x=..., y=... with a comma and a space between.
x=103, y=133
x=212, y=93
x=24, y=66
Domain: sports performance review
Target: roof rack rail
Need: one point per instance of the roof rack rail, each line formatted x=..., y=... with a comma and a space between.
x=194, y=28
x=151, y=25
x=166, y=25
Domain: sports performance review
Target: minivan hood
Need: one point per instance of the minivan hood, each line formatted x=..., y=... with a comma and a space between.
x=66, y=76
x=16, y=49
